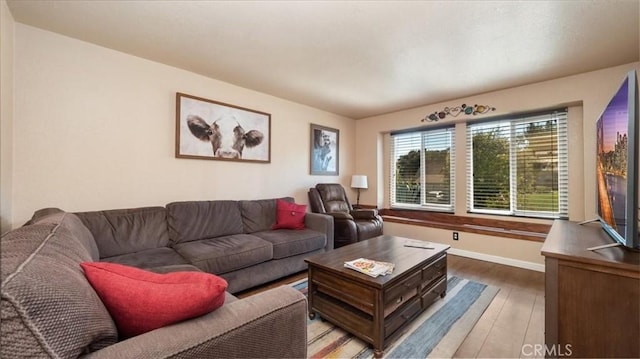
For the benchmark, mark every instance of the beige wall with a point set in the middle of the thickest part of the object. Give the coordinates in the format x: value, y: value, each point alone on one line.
x: 95, y: 129
x: 6, y: 116
x: 585, y: 95
x: 508, y: 251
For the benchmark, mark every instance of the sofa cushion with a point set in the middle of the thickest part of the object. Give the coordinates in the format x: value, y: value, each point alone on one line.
x: 289, y: 215
x: 227, y: 253
x: 122, y: 231
x: 49, y: 309
x: 174, y: 268
x: 195, y: 220
x: 287, y: 243
x: 149, y: 258
x: 229, y: 298
x: 259, y: 215
x: 73, y: 224
x: 140, y: 301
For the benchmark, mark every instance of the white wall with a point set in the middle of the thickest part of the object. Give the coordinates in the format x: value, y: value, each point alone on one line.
x: 7, y: 26
x: 95, y: 129
x: 586, y: 96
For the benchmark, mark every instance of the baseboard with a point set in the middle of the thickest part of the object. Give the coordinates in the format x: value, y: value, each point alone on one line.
x: 497, y: 259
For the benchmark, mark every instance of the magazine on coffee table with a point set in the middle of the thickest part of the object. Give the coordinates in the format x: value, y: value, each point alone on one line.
x: 370, y: 267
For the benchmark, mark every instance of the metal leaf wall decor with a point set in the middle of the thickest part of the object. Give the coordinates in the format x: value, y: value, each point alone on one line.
x: 455, y: 111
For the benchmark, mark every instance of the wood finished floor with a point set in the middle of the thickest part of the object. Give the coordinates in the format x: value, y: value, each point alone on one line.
x: 514, y: 319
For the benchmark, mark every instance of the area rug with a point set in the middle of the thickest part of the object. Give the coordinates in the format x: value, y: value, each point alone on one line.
x: 436, y: 333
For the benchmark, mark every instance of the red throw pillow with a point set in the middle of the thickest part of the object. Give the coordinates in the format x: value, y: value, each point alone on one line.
x: 289, y: 215
x: 140, y: 301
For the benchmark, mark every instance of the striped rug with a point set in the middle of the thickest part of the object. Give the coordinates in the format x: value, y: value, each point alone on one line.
x: 436, y: 333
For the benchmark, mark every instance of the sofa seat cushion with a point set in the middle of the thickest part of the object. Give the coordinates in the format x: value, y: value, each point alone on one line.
x: 174, y: 268
x: 290, y: 242
x: 49, y: 309
x: 227, y: 253
x: 150, y: 258
x: 140, y: 301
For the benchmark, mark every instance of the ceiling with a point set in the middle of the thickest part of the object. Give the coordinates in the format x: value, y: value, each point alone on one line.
x: 358, y: 58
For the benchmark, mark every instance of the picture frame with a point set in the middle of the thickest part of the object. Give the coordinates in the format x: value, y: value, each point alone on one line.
x: 213, y: 130
x: 324, y: 150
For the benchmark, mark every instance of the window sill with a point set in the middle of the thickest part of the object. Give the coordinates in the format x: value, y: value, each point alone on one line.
x: 536, y: 232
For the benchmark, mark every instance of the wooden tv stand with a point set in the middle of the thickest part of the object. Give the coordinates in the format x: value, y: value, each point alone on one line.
x: 592, y: 298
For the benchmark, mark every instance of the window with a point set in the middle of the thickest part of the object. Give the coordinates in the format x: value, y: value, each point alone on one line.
x: 422, y: 169
x: 519, y: 166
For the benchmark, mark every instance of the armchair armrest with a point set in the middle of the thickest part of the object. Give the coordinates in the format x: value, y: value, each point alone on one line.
x: 337, y: 216
x: 365, y: 213
x: 321, y: 223
x: 271, y: 324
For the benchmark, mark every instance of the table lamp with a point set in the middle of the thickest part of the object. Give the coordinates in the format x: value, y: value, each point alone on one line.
x: 359, y: 182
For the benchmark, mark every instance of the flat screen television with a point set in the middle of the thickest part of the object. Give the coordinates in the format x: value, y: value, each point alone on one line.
x: 617, y: 165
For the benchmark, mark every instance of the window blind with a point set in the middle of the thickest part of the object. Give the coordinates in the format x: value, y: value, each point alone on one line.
x: 423, y: 170
x: 519, y: 166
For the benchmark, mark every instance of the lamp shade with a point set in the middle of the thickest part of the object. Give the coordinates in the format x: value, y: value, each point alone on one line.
x: 359, y: 181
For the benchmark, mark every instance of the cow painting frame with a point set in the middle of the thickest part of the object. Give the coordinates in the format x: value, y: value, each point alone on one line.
x: 213, y: 130
x: 324, y: 151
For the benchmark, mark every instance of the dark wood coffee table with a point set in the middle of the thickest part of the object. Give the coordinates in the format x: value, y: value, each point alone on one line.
x: 376, y: 309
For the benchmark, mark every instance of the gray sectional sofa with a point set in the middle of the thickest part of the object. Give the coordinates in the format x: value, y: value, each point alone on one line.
x: 50, y: 310
x: 232, y: 239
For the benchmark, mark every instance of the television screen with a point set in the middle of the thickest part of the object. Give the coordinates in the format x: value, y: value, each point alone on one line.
x: 616, y: 176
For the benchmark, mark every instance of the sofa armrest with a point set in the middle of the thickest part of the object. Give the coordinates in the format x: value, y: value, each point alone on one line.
x: 321, y: 223
x: 271, y: 324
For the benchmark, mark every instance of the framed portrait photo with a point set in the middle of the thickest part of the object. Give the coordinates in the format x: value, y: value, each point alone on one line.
x: 212, y: 130
x: 325, y: 146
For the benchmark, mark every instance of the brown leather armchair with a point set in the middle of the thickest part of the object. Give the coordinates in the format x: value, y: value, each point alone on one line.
x: 350, y: 225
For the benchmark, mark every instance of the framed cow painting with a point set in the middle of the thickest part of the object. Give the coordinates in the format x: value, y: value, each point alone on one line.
x: 325, y: 142
x: 213, y: 130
